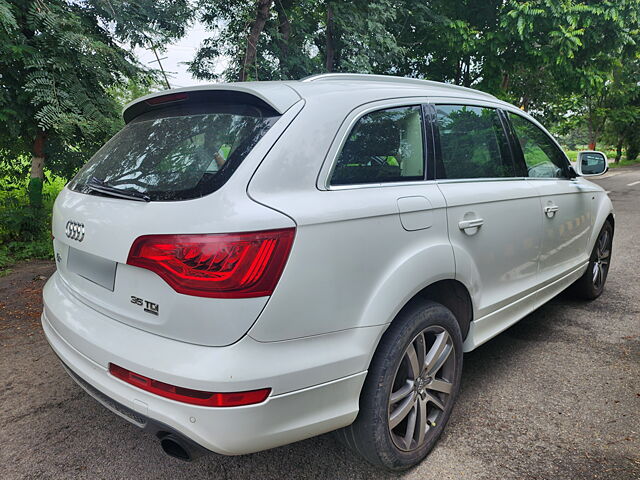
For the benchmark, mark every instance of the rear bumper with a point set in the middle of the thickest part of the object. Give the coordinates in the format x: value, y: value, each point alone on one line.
x: 145, y: 423
x: 315, y: 381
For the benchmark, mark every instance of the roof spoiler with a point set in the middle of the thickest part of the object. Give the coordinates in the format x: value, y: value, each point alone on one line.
x: 271, y: 95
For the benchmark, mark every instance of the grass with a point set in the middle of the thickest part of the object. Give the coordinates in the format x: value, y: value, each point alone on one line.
x: 609, y: 152
x: 625, y: 163
x: 573, y: 154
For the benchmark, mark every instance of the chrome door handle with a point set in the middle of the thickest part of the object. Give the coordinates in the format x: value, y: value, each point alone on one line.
x: 469, y: 224
x: 550, y: 210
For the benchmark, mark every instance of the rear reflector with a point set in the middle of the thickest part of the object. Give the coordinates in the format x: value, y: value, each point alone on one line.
x: 230, y: 265
x: 187, y: 395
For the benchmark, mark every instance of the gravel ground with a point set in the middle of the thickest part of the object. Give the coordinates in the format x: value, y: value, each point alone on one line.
x: 557, y: 396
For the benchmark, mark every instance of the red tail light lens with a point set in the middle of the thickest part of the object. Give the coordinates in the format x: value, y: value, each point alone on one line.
x: 174, y: 97
x: 233, y: 265
x: 187, y: 395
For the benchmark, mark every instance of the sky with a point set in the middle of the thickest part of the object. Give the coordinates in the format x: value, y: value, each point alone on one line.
x: 182, y: 51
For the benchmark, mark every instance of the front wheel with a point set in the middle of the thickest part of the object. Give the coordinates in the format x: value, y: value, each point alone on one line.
x: 412, y: 384
x: 591, y: 284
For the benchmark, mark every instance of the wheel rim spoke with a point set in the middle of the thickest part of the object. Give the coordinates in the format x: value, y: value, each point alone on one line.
x: 402, y: 411
x: 435, y: 400
x: 441, y: 386
x: 402, y: 392
x: 422, y: 421
x: 412, y: 421
x: 600, y: 278
x: 412, y: 355
x: 421, y: 351
x: 596, y: 270
x: 438, y: 354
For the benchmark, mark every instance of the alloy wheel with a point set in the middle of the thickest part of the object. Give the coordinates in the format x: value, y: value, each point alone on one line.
x: 422, y: 388
x: 601, y: 262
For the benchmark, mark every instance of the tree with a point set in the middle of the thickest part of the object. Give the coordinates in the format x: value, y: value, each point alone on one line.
x: 294, y: 39
x: 58, y: 61
x: 251, y: 49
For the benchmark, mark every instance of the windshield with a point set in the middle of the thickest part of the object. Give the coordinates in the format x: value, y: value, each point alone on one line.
x: 176, y: 153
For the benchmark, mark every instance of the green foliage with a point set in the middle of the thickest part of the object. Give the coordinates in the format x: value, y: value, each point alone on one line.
x: 573, y: 63
x: 294, y: 41
x: 25, y: 230
x: 66, y: 71
x: 59, y: 62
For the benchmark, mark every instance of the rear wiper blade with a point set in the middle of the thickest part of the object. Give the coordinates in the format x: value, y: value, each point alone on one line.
x: 99, y: 186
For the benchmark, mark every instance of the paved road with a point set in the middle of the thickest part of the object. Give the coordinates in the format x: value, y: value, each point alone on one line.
x: 557, y: 396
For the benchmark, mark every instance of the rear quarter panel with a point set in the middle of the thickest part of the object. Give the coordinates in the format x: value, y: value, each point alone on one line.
x: 353, y: 264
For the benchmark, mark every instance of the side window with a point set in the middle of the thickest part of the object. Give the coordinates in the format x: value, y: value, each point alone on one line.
x: 384, y: 146
x: 473, y: 143
x: 541, y: 156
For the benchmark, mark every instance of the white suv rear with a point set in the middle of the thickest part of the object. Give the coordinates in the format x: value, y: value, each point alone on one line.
x: 248, y: 265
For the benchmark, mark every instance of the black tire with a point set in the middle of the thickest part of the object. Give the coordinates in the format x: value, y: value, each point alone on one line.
x: 587, y: 287
x: 371, y: 434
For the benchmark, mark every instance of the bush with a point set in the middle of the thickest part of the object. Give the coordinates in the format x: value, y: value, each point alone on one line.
x: 20, y: 222
x: 633, y: 149
x: 24, y: 229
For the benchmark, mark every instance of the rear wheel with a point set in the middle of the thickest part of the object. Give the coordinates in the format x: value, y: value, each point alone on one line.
x: 412, y: 384
x: 591, y: 284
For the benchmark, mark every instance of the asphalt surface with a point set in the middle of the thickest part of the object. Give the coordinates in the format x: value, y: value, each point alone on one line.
x: 557, y: 396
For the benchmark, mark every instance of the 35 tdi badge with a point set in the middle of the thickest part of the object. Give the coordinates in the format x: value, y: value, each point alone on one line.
x: 148, y: 306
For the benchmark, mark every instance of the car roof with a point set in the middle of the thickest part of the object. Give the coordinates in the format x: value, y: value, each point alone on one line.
x: 282, y: 95
x: 429, y: 87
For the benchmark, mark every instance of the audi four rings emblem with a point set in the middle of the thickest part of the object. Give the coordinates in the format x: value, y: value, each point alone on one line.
x: 75, y: 230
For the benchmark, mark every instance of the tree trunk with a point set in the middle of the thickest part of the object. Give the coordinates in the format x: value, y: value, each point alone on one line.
x: 504, y: 85
x: 458, y: 75
x: 37, y: 170
x: 284, y: 28
x: 619, y: 149
x: 331, y: 45
x: 466, y: 79
x: 592, y: 133
x: 262, y: 14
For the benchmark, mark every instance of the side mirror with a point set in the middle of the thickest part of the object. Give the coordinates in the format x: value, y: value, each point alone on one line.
x: 591, y: 163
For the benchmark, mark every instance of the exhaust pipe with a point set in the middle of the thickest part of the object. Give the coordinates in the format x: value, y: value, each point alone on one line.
x: 178, y: 447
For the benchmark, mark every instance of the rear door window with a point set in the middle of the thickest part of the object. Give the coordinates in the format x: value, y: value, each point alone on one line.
x: 384, y: 146
x: 473, y: 143
x: 177, y: 153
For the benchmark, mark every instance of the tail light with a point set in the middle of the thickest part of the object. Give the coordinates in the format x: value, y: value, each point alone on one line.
x: 187, y: 395
x: 230, y: 265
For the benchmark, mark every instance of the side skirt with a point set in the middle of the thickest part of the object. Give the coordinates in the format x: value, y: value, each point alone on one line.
x: 487, y: 327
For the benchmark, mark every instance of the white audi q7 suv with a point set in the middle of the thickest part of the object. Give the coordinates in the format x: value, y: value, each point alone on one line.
x: 246, y: 265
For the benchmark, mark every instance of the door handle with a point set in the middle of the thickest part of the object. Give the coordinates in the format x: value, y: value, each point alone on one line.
x: 550, y: 210
x: 469, y: 224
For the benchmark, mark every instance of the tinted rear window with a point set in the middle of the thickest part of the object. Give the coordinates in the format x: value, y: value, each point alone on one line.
x: 473, y: 143
x: 177, y: 153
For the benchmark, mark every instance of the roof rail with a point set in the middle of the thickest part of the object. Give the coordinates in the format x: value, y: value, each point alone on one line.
x: 390, y: 79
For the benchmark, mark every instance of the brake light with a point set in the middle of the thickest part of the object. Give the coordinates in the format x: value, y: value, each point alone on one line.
x: 187, y: 395
x: 230, y: 265
x: 173, y: 97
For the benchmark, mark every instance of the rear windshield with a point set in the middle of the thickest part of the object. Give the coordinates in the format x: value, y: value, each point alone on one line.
x: 177, y: 153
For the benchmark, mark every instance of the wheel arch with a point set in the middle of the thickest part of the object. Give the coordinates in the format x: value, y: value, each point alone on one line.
x: 453, y: 295
x: 450, y: 293
x: 604, y: 213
